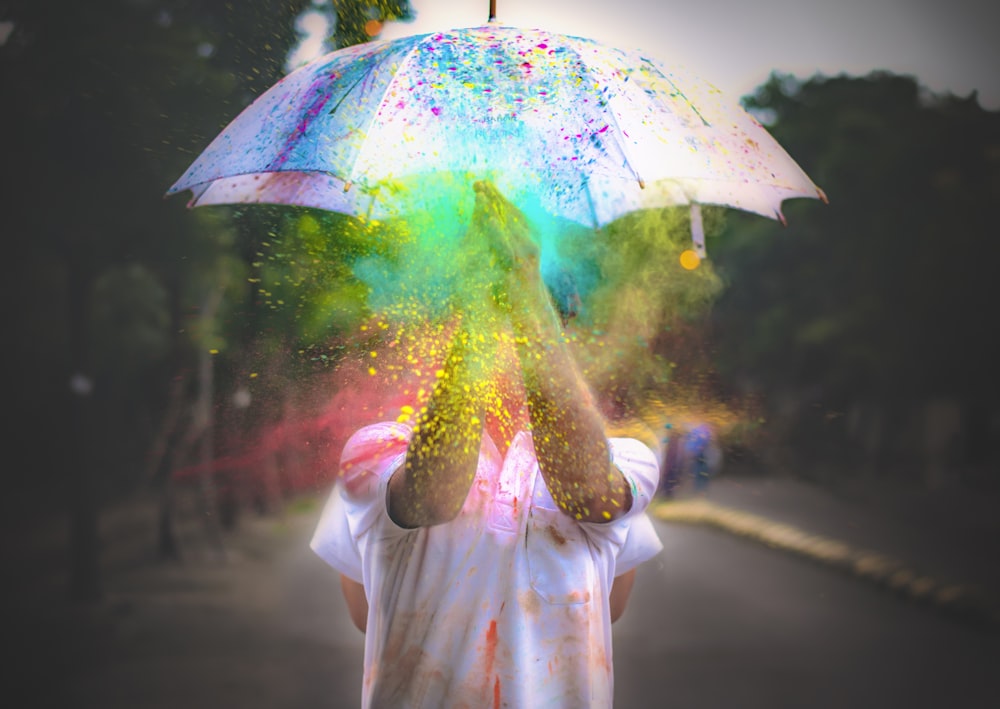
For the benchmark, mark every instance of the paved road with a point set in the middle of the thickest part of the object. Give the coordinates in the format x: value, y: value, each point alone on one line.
x: 715, y: 621
x: 719, y: 621
x: 267, y: 629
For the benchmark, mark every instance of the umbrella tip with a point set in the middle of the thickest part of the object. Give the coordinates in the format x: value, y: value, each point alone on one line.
x: 822, y: 196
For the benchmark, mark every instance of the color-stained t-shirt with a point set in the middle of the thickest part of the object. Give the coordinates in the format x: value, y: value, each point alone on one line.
x: 504, y: 606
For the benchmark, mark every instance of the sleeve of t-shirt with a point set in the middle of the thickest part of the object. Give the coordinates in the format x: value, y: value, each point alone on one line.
x: 356, y: 508
x: 632, y: 536
x: 332, y: 541
x: 638, y: 464
x: 640, y: 467
x: 641, y: 544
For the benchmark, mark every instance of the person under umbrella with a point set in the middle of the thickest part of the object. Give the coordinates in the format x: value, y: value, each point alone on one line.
x: 486, y: 549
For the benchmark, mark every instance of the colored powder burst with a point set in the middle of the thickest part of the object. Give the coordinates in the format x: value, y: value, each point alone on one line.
x: 376, y: 305
x: 434, y: 264
x: 642, y: 293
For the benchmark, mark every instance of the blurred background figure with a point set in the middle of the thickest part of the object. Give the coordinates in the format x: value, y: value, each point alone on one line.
x: 670, y: 461
x: 703, y: 457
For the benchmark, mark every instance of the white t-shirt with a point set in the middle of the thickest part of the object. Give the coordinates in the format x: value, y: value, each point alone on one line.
x: 506, y: 605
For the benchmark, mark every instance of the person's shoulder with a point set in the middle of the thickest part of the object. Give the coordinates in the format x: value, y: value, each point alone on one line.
x: 635, y: 459
x: 631, y: 447
x: 370, y: 451
x: 371, y: 439
x: 382, y: 429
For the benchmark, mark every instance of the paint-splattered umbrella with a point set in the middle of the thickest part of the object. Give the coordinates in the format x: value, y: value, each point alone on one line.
x: 589, y: 131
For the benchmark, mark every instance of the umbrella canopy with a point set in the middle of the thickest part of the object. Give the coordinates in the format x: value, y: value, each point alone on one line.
x: 589, y: 131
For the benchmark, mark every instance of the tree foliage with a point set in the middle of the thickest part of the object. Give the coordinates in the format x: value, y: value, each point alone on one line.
x: 105, y: 105
x: 883, y: 295
x: 359, y: 21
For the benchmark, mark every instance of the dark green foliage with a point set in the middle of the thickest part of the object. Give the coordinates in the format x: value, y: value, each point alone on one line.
x: 353, y: 17
x: 886, y: 294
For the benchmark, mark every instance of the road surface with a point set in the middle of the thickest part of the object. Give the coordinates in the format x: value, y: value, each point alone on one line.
x: 719, y: 621
x: 715, y: 621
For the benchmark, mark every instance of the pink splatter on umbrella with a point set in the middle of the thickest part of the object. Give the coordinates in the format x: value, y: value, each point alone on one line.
x: 588, y: 131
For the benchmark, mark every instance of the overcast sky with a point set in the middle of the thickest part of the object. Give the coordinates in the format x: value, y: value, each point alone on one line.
x: 735, y: 44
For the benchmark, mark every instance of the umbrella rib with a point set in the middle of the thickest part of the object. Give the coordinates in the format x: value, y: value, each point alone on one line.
x: 619, y: 133
x: 361, y: 78
x: 678, y: 91
x: 406, y: 59
x: 625, y: 151
x: 590, y: 203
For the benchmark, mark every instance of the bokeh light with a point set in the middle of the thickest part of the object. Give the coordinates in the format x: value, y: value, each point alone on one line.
x: 689, y: 259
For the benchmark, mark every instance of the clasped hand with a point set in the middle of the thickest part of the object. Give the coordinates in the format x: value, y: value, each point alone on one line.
x: 500, y: 262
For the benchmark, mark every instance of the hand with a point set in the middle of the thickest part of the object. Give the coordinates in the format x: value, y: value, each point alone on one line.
x: 506, y: 231
x: 516, y: 257
x: 567, y: 429
x: 480, y: 268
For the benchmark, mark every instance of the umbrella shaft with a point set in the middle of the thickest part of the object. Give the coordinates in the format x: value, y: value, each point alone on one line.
x: 493, y: 10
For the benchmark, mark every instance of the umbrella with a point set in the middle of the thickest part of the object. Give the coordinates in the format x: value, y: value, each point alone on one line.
x: 590, y: 131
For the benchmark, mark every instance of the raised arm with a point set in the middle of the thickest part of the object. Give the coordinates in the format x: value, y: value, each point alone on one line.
x: 567, y: 429
x: 443, y: 454
x: 431, y: 486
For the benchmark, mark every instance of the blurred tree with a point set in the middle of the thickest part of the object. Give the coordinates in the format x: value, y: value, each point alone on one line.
x: 300, y: 294
x: 104, y: 105
x: 877, y: 301
x: 362, y: 20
